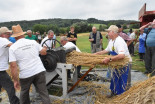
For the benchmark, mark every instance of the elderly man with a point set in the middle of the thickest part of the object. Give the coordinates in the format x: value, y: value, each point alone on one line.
x: 25, y: 54
x: 128, y: 41
x: 5, y: 80
x: 118, y: 49
x: 150, y: 47
x: 66, y: 44
x: 72, y: 36
x: 30, y: 36
x: 95, y: 38
x: 50, y: 43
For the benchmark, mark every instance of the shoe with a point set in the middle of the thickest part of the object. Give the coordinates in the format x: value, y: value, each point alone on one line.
x: 146, y: 72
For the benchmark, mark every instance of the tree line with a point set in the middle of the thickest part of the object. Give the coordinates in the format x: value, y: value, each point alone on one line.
x: 59, y: 25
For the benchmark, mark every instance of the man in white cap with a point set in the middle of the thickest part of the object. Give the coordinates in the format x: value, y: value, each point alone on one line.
x: 118, y: 49
x: 25, y: 54
x: 5, y: 80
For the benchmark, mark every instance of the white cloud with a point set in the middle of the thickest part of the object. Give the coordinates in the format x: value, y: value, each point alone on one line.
x: 14, y: 10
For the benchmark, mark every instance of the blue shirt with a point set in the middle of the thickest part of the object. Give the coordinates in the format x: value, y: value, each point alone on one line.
x: 12, y: 39
x: 150, y: 41
x: 142, y: 43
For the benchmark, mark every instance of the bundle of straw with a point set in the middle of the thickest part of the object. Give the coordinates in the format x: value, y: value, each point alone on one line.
x: 91, y: 60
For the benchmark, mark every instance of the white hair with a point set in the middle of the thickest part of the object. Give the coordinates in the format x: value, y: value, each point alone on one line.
x: 29, y: 31
x: 50, y: 31
x: 63, y: 38
x: 93, y: 27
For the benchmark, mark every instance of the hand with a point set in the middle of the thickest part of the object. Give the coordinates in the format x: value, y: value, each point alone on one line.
x: 16, y: 85
x: 95, y: 53
x: 91, y: 40
x: 106, y: 60
x: 70, y: 39
x: 149, y: 23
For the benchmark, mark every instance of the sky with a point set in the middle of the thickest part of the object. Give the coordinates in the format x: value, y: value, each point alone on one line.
x: 16, y: 10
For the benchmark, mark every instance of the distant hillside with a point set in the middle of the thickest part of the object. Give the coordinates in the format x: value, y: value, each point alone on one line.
x: 62, y: 22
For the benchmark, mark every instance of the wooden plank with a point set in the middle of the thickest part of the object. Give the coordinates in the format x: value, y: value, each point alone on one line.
x: 79, y: 80
x: 142, y: 11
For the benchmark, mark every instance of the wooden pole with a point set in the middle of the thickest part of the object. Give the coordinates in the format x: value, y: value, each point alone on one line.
x: 79, y: 80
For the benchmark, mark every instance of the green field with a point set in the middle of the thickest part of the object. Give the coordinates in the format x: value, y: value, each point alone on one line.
x: 84, y: 45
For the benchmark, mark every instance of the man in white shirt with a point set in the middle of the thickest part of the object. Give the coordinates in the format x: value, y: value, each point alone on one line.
x: 5, y: 80
x: 118, y: 49
x: 49, y: 43
x: 25, y: 54
x: 67, y: 45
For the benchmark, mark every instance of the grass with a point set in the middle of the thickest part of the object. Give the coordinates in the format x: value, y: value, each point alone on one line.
x: 84, y: 45
x: 136, y: 64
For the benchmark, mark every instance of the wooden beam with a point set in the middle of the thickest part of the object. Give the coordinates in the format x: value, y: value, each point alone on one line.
x: 79, y: 80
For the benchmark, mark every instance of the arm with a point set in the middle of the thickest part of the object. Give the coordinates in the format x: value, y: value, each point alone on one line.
x: 101, y: 52
x: 14, y: 73
x: 101, y: 41
x: 129, y: 42
x: 145, y: 26
x: 91, y: 39
x: 72, y: 39
x: 113, y: 58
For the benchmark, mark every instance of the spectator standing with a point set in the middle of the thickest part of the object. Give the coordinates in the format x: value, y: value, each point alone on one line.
x: 30, y: 36
x: 142, y: 38
x: 150, y: 47
x: 95, y: 38
x: 72, y: 36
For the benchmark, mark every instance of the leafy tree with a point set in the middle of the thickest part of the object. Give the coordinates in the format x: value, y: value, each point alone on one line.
x: 124, y: 26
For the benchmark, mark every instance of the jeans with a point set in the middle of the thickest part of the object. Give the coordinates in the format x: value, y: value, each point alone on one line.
x: 40, y: 84
x: 7, y: 84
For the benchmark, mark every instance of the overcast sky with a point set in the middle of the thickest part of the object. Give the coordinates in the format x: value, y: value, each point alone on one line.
x: 16, y: 10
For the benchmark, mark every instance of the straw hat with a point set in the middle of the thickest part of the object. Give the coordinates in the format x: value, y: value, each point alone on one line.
x: 4, y: 30
x: 17, y: 31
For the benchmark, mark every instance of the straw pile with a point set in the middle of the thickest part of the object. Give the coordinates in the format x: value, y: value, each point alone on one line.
x: 97, y: 91
x: 91, y: 60
x: 141, y: 93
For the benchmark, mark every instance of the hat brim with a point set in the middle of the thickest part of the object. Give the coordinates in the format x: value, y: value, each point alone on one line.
x: 18, y: 34
x: 9, y: 31
x: 107, y: 30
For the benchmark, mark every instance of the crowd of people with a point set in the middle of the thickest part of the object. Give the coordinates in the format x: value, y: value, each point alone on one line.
x: 23, y: 51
